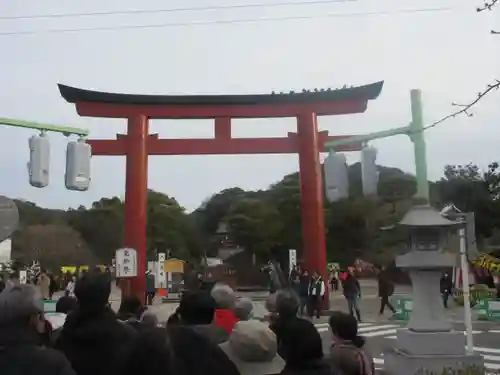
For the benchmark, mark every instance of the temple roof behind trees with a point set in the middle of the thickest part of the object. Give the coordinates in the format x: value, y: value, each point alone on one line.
x: 366, y: 92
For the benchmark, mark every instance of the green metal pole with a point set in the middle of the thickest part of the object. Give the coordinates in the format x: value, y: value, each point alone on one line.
x: 368, y: 137
x: 416, y: 133
x: 66, y: 130
x: 417, y: 137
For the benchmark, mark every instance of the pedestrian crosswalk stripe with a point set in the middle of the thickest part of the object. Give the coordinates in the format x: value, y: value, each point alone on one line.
x: 378, y: 330
x: 491, y: 361
x: 474, y: 332
x: 366, y: 329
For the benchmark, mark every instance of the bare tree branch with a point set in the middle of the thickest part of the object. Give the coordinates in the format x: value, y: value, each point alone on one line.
x: 488, y: 5
x: 464, y: 108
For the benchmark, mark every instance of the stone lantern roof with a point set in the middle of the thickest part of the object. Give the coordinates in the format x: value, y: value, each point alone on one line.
x: 426, y: 216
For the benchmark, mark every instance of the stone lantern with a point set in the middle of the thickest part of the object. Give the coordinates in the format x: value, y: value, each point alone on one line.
x: 428, y: 342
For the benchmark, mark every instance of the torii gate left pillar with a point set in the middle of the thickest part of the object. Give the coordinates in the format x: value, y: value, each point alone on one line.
x: 308, y: 142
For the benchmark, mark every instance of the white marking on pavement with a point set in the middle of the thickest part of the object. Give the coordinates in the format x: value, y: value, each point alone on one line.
x: 464, y: 332
x: 362, y: 330
x: 366, y: 329
x: 494, y: 331
x: 486, y: 350
x: 380, y: 333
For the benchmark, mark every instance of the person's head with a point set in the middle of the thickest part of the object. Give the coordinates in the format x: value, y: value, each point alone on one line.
x: 21, y: 307
x: 305, y: 273
x: 253, y: 348
x: 197, y: 308
x: 224, y: 297
x: 446, y: 275
x: 344, y: 327
x: 149, y: 320
x: 350, y: 271
x: 149, y: 353
x: 66, y: 304
x: 287, y: 303
x: 196, y: 354
x: 73, y: 278
x: 302, y: 344
x: 92, y: 291
x: 131, y: 306
x: 316, y: 274
x: 243, y: 308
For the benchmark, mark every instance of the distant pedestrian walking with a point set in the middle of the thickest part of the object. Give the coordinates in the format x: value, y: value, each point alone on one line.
x: 352, y: 293
x: 316, y: 294
x: 385, y: 290
x: 446, y: 285
x: 44, y: 284
x: 150, y: 288
x: 305, y: 279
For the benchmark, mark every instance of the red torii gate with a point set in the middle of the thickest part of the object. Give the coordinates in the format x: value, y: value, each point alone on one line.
x: 137, y: 144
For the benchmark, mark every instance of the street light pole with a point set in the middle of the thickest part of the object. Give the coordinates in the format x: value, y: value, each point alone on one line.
x: 464, y: 264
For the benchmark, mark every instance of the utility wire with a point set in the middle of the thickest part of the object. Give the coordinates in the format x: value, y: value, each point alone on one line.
x: 222, y: 22
x: 174, y: 10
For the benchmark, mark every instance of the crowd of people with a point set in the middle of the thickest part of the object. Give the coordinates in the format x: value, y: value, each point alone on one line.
x: 211, y: 332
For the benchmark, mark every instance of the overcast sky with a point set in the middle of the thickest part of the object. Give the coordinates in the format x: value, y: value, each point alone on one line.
x: 444, y: 48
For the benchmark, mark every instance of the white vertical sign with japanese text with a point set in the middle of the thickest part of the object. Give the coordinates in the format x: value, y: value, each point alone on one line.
x: 292, y: 258
x: 126, y: 262
x: 23, y: 277
x: 160, y: 279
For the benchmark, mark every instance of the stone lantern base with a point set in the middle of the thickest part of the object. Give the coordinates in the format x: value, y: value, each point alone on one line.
x: 423, y: 352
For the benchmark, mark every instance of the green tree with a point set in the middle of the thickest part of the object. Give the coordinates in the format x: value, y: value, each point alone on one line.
x: 472, y: 190
x: 255, y: 225
x: 101, y: 226
x: 169, y: 228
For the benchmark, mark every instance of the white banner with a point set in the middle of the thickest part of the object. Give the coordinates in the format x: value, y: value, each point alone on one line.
x: 292, y: 258
x: 126, y: 262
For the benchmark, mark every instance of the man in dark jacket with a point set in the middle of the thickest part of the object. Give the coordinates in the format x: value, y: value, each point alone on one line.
x: 316, y: 292
x: 303, y: 293
x: 92, y: 338
x: 385, y: 290
x: 150, y: 288
x: 21, y: 326
x: 352, y: 293
x: 446, y: 286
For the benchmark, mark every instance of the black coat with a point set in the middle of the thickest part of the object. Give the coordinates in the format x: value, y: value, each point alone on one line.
x: 304, y: 286
x: 94, y: 341
x: 445, y: 285
x: 385, y: 285
x: 22, y: 354
x: 351, y: 286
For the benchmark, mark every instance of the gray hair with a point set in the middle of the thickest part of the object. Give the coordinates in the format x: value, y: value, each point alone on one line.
x: 224, y: 296
x: 18, y: 303
x: 149, y: 319
x: 243, y: 308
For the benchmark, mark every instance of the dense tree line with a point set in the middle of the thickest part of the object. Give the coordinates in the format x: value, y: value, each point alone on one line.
x: 265, y: 223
